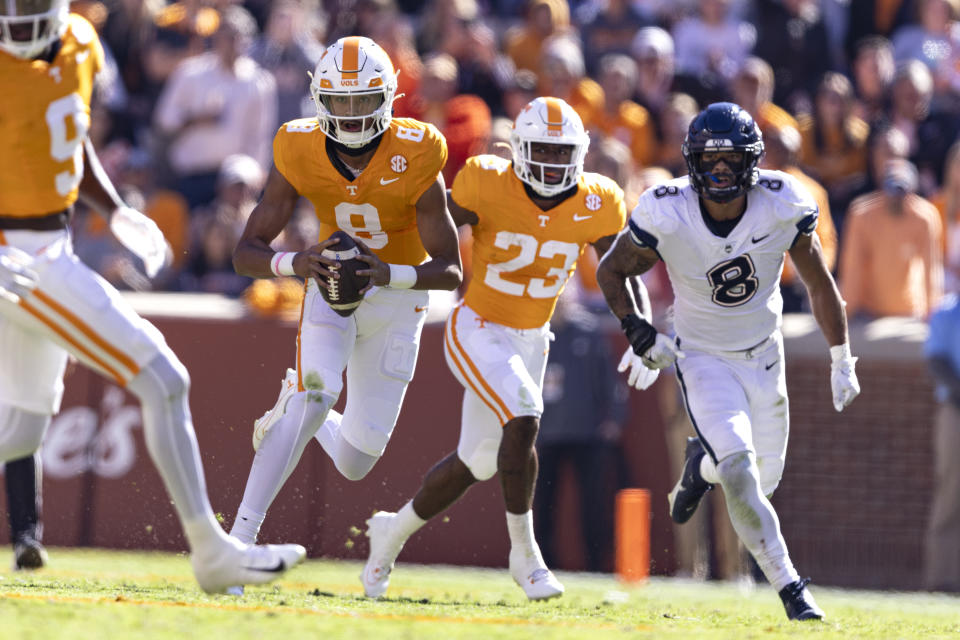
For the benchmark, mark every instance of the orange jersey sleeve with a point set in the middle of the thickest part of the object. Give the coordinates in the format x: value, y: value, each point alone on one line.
x: 379, y: 205
x: 522, y: 255
x: 44, y: 119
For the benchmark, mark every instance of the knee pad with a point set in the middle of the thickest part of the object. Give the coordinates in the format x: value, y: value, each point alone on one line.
x: 737, y: 473
x: 165, y: 376
x: 21, y: 432
x: 482, y: 460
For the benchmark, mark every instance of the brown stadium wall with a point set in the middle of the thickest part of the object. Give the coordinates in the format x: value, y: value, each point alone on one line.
x: 853, y: 501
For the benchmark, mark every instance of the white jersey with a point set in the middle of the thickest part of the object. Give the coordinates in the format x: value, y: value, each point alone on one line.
x: 726, y: 290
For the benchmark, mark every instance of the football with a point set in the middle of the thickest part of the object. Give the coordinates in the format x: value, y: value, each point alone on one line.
x: 344, y: 296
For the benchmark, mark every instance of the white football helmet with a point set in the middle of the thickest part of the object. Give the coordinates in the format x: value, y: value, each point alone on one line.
x: 551, y: 121
x: 27, y: 27
x: 353, y: 87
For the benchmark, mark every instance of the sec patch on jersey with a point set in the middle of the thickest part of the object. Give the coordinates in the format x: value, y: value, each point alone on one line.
x: 343, y: 293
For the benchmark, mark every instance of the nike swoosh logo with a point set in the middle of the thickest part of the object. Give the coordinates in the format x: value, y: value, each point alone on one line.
x: 280, y: 567
x: 579, y: 218
x: 771, y: 365
x: 756, y: 240
x: 385, y: 181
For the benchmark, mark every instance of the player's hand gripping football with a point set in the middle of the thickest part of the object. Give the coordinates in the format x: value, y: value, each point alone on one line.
x: 843, y: 377
x: 17, y: 278
x: 142, y: 237
x: 377, y: 269
x: 311, y: 263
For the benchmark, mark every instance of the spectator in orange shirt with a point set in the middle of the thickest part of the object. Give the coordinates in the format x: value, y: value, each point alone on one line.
x: 621, y: 117
x: 752, y: 88
x: 834, y: 138
x: 782, y: 149
x: 564, y: 77
x: 464, y: 120
x: 524, y: 44
x: 890, y: 262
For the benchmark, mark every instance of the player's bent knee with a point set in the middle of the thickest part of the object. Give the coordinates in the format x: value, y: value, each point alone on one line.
x: 736, y: 472
x: 482, y: 463
x: 165, y: 376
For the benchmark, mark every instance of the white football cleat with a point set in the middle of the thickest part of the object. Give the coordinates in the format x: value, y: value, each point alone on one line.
x: 383, y: 553
x: 267, y: 420
x: 235, y: 563
x: 536, y: 580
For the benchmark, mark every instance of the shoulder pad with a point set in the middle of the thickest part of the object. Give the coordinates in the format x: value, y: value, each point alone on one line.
x: 788, y: 199
x: 660, y: 205
x: 488, y: 162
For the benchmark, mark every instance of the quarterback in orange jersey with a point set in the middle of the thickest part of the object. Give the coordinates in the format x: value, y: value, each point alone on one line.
x: 532, y: 219
x: 52, y: 305
x: 378, y: 179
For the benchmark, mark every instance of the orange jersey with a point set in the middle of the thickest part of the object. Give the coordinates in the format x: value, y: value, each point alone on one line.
x: 522, y: 255
x: 44, y: 118
x: 379, y: 205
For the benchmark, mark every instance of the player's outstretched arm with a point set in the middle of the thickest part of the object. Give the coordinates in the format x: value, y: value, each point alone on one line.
x: 132, y: 229
x: 439, y: 236
x: 827, y: 307
x: 825, y: 301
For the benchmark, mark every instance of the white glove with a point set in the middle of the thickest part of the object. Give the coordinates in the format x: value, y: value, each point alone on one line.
x: 17, y: 279
x: 142, y: 236
x: 663, y: 353
x: 640, y: 376
x: 843, y: 379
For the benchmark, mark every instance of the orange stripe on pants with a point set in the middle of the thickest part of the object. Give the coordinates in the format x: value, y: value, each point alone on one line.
x: 86, y: 330
x: 462, y: 352
x: 466, y: 378
x: 70, y: 340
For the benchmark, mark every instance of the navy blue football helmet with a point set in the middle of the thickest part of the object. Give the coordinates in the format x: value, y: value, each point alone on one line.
x: 723, y: 126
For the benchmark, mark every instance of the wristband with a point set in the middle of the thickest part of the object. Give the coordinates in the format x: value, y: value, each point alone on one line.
x: 840, y: 352
x: 282, y: 263
x: 641, y: 334
x: 402, y: 276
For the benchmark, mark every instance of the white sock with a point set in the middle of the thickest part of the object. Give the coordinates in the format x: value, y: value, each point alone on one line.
x: 247, y: 525
x: 522, y: 540
x: 204, y: 533
x: 708, y: 470
x: 407, y: 522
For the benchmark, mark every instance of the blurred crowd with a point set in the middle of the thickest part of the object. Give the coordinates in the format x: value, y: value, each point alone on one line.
x: 858, y: 98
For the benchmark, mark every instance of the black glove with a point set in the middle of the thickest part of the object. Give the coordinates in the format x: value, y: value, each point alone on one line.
x: 640, y: 333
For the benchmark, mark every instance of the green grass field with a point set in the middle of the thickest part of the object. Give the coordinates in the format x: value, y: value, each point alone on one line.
x: 107, y: 594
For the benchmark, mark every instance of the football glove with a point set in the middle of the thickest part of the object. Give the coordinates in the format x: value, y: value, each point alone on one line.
x: 142, y: 237
x: 640, y: 376
x: 663, y: 353
x: 843, y: 378
x: 17, y: 279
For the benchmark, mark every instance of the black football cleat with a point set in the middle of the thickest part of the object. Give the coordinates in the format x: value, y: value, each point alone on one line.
x: 686, y: 495
x: 28, y: 553
x: 799, y: 603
